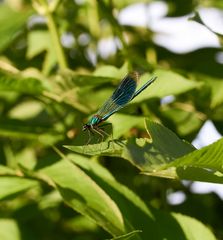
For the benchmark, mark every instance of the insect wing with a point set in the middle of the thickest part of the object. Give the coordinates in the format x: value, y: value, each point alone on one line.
x: 120, y: 97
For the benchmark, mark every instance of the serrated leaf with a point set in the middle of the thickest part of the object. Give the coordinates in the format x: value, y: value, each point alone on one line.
x: 11, y: 186
x: 208, y: 158
x: 199, y: 174
x: 85, y: 196
x: 150, y: 154
x: 164, y: 155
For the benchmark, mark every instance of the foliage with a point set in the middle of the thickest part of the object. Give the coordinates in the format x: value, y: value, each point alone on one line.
x: 53, y: 77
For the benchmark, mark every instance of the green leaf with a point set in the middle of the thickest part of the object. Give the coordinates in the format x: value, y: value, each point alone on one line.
x: 121, y: 123
x: 192, y: 228
x: 77, y: 90
x: 9, y: 229
x: 6, y: 170
x: 110, y: 148
x: 216, y: 86
x: 11, y: 23
x: 164, y: 155
x: 52, y: 199
x: 104, y: 74
x: 20, y: 84
x: 82, y: 194
x: 208, y: 160
x: 185, y: 118
x: 38, y: 42
x: 134, y: 211
x: 111, y: 71
x: 81, y: 224
x: 167, y: 83
x: 141, y: 221
x: 11, y: 186
x: 150, y: 154
x: 67, y: 79
x: 26, y: 110
x: 213, y: 87
x: 27, y: 130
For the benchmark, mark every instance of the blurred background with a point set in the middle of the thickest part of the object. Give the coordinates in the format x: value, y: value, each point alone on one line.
x: 58, y: 41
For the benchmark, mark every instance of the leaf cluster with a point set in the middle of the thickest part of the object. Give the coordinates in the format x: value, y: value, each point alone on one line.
x: 54, y: 74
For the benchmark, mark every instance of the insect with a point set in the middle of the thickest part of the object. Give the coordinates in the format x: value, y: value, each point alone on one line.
x: 124, y: 93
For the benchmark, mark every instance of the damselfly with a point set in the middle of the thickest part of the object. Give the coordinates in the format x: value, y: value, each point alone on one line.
x: 124, y: 93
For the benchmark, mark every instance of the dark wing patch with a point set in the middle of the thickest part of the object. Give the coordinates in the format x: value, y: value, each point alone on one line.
x: 120, y: 97
x: 125, y: 90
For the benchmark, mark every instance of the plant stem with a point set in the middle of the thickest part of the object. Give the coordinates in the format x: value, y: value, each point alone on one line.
x: 54, y: 35
x: 56, y: 41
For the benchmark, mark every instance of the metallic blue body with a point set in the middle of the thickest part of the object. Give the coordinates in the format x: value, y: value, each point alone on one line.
x: 95, y: 120
x: 123, y: 94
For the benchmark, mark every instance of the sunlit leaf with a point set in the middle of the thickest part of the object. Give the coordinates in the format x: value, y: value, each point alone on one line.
x: 40, y: 41
x: 6, y: 170
x: 208, y: 158
x: 145, y: 220
x: 9, y: 229
x: 148, y: 154
x: 11, y: 186
x: 164, y: 155
x: 85, y: 196
x: 167, y: 83
x: 67, y: 78
x: 111, y: 71
x: 20, y: 84
x: 192, y: 228
x: 11, y: 23
x: 121, y: 123
x: 216, y: 90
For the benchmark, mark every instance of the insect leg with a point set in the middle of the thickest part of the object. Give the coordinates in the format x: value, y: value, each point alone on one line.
x: 99, y: 131
x: 90, y: 133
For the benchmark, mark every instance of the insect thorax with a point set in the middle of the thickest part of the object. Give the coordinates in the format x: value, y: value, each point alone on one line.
x: 95, y: 120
